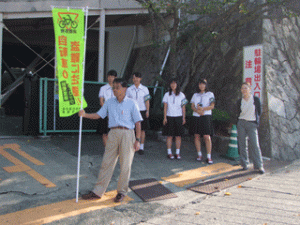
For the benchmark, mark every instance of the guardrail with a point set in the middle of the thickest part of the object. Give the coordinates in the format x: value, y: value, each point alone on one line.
x: 51, y: 122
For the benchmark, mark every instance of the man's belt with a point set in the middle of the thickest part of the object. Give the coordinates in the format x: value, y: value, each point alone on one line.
x: 120, y: 127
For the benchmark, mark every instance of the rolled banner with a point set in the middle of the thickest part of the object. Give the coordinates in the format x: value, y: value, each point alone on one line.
x: 147, y: 97
x: 184, y: 102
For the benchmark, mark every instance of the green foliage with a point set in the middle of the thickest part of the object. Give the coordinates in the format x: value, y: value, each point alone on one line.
x: 220, y: 115
x: 275, y: 1
x: 291, y: 14
x: 188, y: 110
x: 162, y: 82
x: 243, y: 9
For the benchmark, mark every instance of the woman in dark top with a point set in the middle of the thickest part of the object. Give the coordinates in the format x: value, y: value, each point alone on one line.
x: 249, y: 111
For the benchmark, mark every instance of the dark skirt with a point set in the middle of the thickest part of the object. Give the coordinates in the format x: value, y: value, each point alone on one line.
x: 173, y: 127
x: 145, y: 122
x: 102, y: 127
x: 202, y: 125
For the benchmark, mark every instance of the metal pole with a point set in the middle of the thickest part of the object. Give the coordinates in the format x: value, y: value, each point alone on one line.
x: 54, y: 94
x: 1, y: 43
x: 162, y: 69
x: 82, y: 93
x: 101, y: 46
x: 45, y: 105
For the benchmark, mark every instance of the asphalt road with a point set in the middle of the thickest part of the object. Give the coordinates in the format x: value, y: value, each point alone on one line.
x: 39, y: 176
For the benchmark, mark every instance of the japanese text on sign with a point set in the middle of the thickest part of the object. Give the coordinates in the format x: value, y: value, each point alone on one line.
x: 253, y: 68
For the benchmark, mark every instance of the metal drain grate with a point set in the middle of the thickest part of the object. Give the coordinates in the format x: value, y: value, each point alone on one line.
x: 219, y: 184
x: 151, y: 190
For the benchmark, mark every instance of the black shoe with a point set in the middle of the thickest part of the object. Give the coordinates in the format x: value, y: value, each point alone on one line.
x: 119, y: 198
x: 141, y: 152
x: 261, y: 171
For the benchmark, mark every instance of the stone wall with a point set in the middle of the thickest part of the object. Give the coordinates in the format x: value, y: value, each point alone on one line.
x: 282, y: 73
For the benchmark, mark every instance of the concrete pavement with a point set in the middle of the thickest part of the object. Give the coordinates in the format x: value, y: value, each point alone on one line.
x: 272, y: 198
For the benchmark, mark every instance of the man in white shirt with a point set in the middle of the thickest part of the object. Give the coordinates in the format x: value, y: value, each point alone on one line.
x: 105, y: 93
x: 140, y: 94
x: 124, y: 117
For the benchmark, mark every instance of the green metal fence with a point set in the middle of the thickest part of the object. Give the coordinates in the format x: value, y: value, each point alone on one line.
x: 51, y: 122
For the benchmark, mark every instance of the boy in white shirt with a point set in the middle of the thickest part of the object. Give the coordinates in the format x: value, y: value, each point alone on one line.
x: 105, y: 93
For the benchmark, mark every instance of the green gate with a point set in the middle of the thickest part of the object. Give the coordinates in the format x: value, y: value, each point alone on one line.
x: 49, y: 120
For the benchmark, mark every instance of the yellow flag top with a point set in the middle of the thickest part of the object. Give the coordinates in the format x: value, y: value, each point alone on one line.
x: 70, y: 45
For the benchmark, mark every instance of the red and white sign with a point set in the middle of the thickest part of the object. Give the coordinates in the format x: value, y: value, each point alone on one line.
x: 253, y: 68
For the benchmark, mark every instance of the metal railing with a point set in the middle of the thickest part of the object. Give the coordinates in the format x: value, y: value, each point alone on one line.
x: 51, y: 122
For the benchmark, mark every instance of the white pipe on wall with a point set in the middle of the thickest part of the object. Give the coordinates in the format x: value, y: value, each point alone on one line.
x: 101, y: 46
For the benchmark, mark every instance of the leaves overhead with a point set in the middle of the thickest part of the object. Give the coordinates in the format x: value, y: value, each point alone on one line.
x: 204, y: 24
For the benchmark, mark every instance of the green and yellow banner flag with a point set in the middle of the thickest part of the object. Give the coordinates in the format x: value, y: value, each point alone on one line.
x: 70, y: 46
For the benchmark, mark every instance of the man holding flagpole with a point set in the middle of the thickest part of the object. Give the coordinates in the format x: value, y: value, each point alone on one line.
x: 70, y: 31
x: 124, y: 117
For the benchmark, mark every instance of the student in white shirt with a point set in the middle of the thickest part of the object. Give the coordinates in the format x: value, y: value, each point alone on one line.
x: 202, y: 104
x: 141, y: 95
x: 105, y: 93
x: 174, y: 117
x: 248, y: 114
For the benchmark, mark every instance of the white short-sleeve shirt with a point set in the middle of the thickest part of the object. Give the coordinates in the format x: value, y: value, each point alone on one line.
x: 106, y: 92
x: 174, y: 104
x: 125, y: 113
x: 138, y: 94
x: 248, y: 109
x: 204, y: 99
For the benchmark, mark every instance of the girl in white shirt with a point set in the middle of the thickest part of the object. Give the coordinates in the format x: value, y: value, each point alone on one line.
x: 174, y: 117
x: 202, y: 104
x: 141, y: 95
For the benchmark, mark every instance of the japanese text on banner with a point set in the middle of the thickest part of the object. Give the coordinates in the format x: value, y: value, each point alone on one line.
x: 69, y: 43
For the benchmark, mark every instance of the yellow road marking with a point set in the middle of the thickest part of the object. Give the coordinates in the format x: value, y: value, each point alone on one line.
x: 57, y: 211
x: 40, y: 179
x: 21, y: 167
x: 191, y: 176
x: 17, y: 149
x: 15, y: 169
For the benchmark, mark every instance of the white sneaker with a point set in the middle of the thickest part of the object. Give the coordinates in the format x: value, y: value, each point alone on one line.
x: 209, y: 161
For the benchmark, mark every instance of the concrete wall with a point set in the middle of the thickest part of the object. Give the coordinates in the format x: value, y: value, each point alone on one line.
x: 145, y: 36
x: 45, y: 5
x: 42, y: 8
x: 119, y: 46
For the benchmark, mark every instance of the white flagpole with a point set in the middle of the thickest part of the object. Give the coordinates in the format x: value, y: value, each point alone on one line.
x: 82, y: 92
